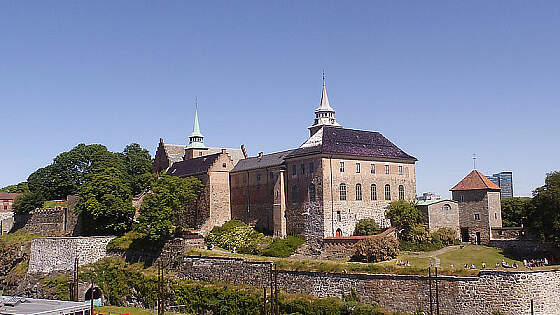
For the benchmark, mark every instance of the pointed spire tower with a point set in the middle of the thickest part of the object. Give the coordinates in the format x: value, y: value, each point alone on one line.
x: 324, y: 114
x: 196, y: 139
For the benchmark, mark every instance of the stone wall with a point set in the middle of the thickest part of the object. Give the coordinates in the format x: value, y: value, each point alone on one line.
x: 441, y: 214
x: 491, y: 291
x: 50, y: 222
x: 6, y: 222
x: 58, y: 253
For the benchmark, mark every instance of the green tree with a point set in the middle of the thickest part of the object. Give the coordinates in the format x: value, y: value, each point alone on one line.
x: 367, y: 226
x: 375, y: 249
x: 544, y: 213
x: 70, y: 169
x: 138, y: 166
x: 27, y: 202
x: 404, y: 215
x: 236, y: 234
x: 21, y: 188
x: 162, y: 208
x: 105, y: 203
x: 514, y: 211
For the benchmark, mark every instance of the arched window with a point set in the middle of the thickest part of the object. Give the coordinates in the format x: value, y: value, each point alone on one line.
x: 446, y: 207
x: 312, y: 192
x: 387, y: 192
x: 342, y: 191
x: 358, y: 191
x: 373, y: 192
x: 295, y: 198
x: 338, y: 233
x: 401, y: 192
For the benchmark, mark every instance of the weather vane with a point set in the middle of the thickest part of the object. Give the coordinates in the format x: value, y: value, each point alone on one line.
x: 474, y: 160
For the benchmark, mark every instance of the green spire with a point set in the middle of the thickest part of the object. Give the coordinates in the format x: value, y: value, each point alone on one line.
x: 196, y: 139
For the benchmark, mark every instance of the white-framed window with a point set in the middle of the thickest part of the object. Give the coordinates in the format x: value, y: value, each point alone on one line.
x: 358, y: 167
x: 342, y: 191
x: 358, y: 191
x: 373, y: 192
x: 342, y: 167
x: 387, y: 192
x: 386, y: 169
x: 372, y: 168
x: 477, y: 216
x: 401, y: 192
x: 400, y: 169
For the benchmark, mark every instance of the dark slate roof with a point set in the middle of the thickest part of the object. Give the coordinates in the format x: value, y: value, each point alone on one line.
x: 354, y: 142
x: 199, y: 165
x: 267, y: 160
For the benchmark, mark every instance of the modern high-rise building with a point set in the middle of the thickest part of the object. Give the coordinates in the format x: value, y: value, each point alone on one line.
x: 505, y: 181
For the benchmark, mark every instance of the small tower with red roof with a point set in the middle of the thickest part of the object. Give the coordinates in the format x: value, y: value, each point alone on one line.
x: 479, y: 207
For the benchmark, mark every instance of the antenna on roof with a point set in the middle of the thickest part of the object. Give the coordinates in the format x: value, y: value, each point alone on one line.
x: 474, y: 160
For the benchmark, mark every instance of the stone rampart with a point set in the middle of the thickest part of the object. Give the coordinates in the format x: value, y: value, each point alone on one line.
x: 48, y: 222
x: 6, y: 222
x: 59, y: 253
x: 491, y: 291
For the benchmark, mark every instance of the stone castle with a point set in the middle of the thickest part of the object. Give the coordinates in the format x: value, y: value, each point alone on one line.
x: 319, y: 189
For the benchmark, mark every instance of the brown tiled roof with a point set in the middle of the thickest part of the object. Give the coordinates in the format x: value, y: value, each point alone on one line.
x: 199, y: 165
x: 475, y: 181
x: 8, y: 196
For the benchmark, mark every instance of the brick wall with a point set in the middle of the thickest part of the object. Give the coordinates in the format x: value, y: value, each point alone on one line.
x: 58, y: 253
x: 491, y: 291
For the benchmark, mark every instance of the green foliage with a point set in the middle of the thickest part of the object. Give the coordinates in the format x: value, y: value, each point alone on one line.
x: 21, y: 188
x: 283, y: 247
x: 544, y: 213
x: 60, y: 285
x: 447, y: 236
x: 421, y: 240
x: 105, y: 203
x: 375, y: 249
x: 162, y: 209
x: 29, y: 201
x: 138, y: 166
x: 404, y: 215
x: 238, y: 235
x: 367, y: 226
x: 514, y: 211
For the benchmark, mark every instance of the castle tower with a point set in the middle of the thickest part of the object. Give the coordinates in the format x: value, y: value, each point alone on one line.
x: 324, y: 114
x: 196, y: 145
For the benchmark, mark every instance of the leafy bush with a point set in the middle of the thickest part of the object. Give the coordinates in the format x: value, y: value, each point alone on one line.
x: 238, y: 235
x: 421, y: 240
x: 367, y: 226
x: 283, y: 247
x: 447, y: 236
x: 376, y: 249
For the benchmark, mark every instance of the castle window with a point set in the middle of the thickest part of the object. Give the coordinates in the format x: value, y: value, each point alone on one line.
x: 294, y: 195
x: 200, y: 153
x: 372, y: 168
x: 342, y: 191
x: 386, y: 169
x: 294, y: 170
x: 358, y: 192
x: 312, y: 192
x: 446, y: 207
x: 271, y: 175
x: 401, y: 192
x: 462, y: 198
x: 387, y: 192
x: 400, y: 169
x: 342, y: 167
x: 311, y: 167
x: 258, y: 177
x: 477, y: 216
x: 338, y: 216
x: 373, y: 192
x: 496, y: 215
x: 358, y: 168
x: 224, y: 165
x: 302, y: 168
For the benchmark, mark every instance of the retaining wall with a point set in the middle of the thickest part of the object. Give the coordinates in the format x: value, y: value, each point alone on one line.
x: 59, y: 253
x: 491, y: 291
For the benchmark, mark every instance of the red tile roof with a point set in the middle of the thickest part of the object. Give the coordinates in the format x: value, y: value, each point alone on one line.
x: 8, y: 196
x: 475, y: 181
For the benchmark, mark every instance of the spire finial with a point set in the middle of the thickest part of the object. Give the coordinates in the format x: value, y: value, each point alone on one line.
x: 323, y: 77
x: 474, y: 160
x: 196, y: 103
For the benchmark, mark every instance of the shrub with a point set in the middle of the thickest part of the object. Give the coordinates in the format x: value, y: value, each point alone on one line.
x: 236, y: 234
x: 447, y: 236
x: 367, y: 227
x: 283, y: 247
x: 376, y: 249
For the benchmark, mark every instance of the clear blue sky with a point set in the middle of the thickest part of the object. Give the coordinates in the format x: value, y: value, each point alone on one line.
x: 441, y: 79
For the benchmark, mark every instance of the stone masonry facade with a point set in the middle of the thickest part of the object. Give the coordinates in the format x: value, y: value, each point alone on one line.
x: 491, y: 291
x: 58, y: 253
x: 479, y: 211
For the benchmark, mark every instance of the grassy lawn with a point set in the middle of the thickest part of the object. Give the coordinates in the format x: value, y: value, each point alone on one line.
x: 474, y: 254
x: 117, y: 310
